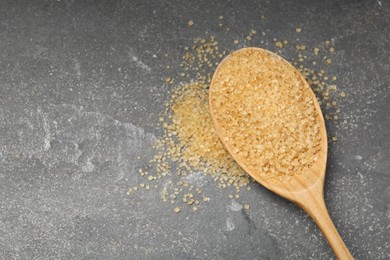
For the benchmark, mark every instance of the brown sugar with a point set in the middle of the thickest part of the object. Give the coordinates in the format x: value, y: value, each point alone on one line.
x: 180, y: 165
x: 265, y: 113
x: 198, y: 146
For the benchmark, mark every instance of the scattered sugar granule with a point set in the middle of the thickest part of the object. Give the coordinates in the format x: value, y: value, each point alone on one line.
x: 279, y: 44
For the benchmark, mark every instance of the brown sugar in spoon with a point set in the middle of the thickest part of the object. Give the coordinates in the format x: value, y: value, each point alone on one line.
x: 246, y: 90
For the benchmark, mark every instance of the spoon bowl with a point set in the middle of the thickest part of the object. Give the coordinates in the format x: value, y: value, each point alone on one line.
x: 305, y: 190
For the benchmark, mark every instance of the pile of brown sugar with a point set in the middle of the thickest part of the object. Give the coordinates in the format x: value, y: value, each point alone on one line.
x: 193, y: 142
x: 266, y: 114
x: 189, y: 152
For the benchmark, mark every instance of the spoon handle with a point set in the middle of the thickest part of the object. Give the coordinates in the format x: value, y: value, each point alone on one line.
x: 316, y: 208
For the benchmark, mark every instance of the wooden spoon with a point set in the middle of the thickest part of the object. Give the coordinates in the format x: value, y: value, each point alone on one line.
x: 305, y: 190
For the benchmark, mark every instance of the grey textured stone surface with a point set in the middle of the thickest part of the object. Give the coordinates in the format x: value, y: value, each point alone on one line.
x: 81, y: 88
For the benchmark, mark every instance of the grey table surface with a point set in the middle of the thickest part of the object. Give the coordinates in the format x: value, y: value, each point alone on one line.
x: 81, y: 90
